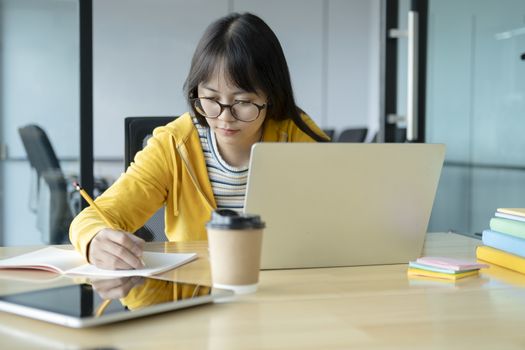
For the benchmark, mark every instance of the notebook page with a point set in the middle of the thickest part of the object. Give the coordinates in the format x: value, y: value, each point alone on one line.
x: 49, y: 259
x: 155, y: 263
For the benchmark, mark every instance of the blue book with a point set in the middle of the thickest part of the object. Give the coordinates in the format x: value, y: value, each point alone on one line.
x: 507, y: 243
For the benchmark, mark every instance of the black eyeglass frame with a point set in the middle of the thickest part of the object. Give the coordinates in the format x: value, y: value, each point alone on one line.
x: 223, y: 106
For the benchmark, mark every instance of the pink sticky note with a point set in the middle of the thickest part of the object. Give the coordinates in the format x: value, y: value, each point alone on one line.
x: 450, y: 263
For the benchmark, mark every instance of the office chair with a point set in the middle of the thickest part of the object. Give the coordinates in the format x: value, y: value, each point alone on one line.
x: 352, y: 135
x: 54, y: 213
x: 137, y: 130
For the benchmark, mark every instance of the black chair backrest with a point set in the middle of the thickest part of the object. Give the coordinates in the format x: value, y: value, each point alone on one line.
x: 137, y: 129
x: 43, y: 159
x: 39, y: 151
x: 352, y: 135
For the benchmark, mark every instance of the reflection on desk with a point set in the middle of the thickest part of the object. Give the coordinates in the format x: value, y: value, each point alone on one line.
x: 330, y: 308
x: 91, y: 304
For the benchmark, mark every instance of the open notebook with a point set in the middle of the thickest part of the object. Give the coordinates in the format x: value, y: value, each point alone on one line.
x: 70, y: 262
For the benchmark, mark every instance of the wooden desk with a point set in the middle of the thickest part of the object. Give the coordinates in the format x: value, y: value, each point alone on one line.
x: 375, y: 307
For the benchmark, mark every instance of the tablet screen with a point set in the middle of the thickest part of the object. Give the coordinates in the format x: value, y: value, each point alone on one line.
x: 108, y: 300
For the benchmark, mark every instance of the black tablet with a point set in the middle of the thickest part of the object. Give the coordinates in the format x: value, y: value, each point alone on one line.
x: 109, y: 300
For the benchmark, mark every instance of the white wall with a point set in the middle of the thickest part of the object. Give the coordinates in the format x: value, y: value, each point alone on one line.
x: 353, y: 64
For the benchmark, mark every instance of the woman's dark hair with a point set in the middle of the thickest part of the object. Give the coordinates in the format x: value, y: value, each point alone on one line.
x: 254, y: 60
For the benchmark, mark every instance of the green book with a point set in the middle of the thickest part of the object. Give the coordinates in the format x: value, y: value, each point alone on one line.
x: 510, y: 227
x: 449, y: 276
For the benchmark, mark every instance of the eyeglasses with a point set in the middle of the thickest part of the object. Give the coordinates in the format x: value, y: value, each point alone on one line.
x: 240, y: 110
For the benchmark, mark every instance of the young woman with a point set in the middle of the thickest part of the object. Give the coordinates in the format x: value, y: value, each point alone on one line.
x: 240, y: 93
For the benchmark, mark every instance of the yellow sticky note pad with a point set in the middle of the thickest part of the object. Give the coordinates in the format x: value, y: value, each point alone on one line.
x: 449, y: 276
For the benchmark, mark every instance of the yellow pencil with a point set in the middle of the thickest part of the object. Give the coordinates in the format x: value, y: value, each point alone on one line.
x: 103, y: 306
x: 92, y: 204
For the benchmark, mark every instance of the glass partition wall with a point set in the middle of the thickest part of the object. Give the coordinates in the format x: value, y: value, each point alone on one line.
x: 475, y: 104
x: 39, y: 119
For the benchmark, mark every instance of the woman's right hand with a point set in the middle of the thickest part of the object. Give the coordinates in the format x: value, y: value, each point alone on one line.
x: 116, y: 250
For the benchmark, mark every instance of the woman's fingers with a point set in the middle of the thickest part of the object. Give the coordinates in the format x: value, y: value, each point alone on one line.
x: 116, y: 250
x: 122, y: 251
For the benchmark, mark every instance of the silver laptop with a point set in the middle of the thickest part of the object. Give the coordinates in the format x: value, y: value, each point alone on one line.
x: 82, y: 305
x: 342, y: 204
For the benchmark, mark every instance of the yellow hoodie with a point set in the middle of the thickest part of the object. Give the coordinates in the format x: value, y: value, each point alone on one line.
x: 169, y: 171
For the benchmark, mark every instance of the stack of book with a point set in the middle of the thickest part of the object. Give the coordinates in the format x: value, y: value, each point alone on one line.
x: 444, y: 268
x: 504, y: 243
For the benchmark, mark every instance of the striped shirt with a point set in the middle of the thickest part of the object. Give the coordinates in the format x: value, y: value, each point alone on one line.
x: 227, y: 182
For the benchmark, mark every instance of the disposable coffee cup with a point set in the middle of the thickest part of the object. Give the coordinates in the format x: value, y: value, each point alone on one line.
x: 235, y: 242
